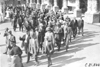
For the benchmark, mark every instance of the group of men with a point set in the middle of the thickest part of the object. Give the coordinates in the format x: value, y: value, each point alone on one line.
x: 12, y: 49
x: 44, y: 30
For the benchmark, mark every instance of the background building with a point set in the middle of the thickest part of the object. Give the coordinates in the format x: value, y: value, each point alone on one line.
x: 91, y: 8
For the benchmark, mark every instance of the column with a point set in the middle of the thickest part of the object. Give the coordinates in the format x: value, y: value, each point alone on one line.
x: 65, y: 8
x: 34, y: 4
x: 55, y: 7
x: 27, y: 2
x: 55, y: 2
x: 42, y: 1
x: 48, y: 2
x: 38, y: 5
x: 99, y: 6
x: 92, y: 15
x: 77, y: 5
x: 89, y: 6
x: 94, y: 6
x: 0, y: 8
x: 1, y: 14
x: 30, y: 3
x: 49, y: 5
x: 77, y: 11
x: 43, y: 5
x: 38, y: 2
x: 65, y: 3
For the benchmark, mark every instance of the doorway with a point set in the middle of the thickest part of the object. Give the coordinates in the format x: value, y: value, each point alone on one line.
x: 60, y: 3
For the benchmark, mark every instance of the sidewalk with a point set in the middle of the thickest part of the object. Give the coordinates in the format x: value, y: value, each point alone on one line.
x: 98, y: 24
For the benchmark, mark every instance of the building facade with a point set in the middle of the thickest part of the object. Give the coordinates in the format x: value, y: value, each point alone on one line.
x: 92, y: 14
x: 93, y: 6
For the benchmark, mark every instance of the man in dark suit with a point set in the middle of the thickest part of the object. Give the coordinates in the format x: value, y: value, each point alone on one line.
x: 80, y: 25
x: 73, y: 25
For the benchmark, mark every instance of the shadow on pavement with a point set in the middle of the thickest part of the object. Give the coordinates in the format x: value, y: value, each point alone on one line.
x: 76, y: 45
x: 5, y: 29
x: 63, y: 62
x: 31, y: 63
x: 87, y: 35
x: 79, y: 47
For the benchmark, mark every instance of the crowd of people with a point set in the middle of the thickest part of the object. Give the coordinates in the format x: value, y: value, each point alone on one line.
x: 45, y: 30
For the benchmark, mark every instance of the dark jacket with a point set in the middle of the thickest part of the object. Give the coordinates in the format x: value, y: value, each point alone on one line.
x: 73, y: 24
x: 16, y: 51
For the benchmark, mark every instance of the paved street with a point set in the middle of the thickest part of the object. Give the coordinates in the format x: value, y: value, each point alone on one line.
x: 82, y: 50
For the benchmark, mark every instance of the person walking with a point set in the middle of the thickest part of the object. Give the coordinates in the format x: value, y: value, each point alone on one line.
x: 49, y: 44
x: 15, y: 53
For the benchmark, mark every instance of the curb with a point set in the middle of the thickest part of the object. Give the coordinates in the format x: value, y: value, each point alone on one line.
x: 96, y: 24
